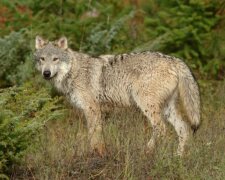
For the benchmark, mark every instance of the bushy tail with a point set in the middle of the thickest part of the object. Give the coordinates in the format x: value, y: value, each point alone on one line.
x: 189, y: 95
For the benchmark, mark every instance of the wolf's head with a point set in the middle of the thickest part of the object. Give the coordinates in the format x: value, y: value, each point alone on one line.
x: 52, y: 58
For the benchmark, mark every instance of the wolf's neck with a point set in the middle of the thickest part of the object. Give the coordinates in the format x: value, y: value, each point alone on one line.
x: 60, y: 80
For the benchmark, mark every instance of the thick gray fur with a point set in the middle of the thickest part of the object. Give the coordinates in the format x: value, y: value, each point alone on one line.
x: 150, y: 81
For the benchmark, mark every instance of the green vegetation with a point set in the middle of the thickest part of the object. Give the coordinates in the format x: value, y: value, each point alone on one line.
x: 33, y: 145
x: 24, y: 111
x: 190, y: 31
x: 15, y: 59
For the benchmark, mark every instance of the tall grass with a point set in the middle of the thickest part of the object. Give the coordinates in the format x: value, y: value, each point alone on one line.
x: 62, y: 150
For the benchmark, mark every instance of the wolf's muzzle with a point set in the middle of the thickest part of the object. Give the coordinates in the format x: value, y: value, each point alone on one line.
x: 47, y: 74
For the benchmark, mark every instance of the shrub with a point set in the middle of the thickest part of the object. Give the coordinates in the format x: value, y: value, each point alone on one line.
x: 14, y: 15
x: 93, y: 27
x: 15, y: 58
x: 186, y: 29
x: 103, y: 38
x: 23, y: 112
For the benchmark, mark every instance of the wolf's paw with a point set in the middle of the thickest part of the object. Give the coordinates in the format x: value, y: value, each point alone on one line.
x: 181, y: 152
x: 150, y: 147
x: 149, y: 151
x: 99, y: 149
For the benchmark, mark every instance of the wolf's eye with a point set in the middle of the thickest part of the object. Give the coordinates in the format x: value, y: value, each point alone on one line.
x: 42, y: 58
x: 55, y: 59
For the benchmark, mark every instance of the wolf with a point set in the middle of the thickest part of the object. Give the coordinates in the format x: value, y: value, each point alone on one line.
x: 155, y: 83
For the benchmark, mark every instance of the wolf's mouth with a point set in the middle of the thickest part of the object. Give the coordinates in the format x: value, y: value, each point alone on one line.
x: 50, y: 78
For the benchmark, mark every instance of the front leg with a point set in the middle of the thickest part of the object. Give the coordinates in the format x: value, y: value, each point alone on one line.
x: 94, y: 124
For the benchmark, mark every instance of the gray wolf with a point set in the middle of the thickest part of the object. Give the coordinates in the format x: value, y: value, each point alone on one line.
x: 151, y: 81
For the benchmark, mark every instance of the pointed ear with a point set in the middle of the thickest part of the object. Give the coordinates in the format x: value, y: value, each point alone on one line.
x: 39, y: 42
x: 62, y: 43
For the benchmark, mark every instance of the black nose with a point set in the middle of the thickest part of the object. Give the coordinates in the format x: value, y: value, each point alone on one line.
x: 47, y: 74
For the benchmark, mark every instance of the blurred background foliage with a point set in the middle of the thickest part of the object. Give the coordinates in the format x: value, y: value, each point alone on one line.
x: 190, y: 29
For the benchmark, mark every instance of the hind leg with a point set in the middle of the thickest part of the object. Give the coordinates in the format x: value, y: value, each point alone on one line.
x: 151, y: 94
x: 173, y: 115
x: 152, y: 109
x: 158, y: 126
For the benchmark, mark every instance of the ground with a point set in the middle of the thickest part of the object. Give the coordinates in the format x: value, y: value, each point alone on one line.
x: 61, y: 151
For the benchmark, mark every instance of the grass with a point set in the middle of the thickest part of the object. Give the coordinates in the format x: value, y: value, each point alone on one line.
x: 61, y: 150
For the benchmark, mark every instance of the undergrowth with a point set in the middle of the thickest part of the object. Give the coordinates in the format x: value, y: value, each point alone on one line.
x: 63, y: 148
x: 23, y: 112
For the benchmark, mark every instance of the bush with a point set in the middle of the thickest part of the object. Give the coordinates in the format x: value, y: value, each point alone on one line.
x: 102, y: 38
x: 23, y: 112
x: 93, y: 27
x: 16, y: 62
x: 187, y: 29
x: 14, y: 15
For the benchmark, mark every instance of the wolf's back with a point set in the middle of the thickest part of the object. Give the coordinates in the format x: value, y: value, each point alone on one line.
x: 189, y: 95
